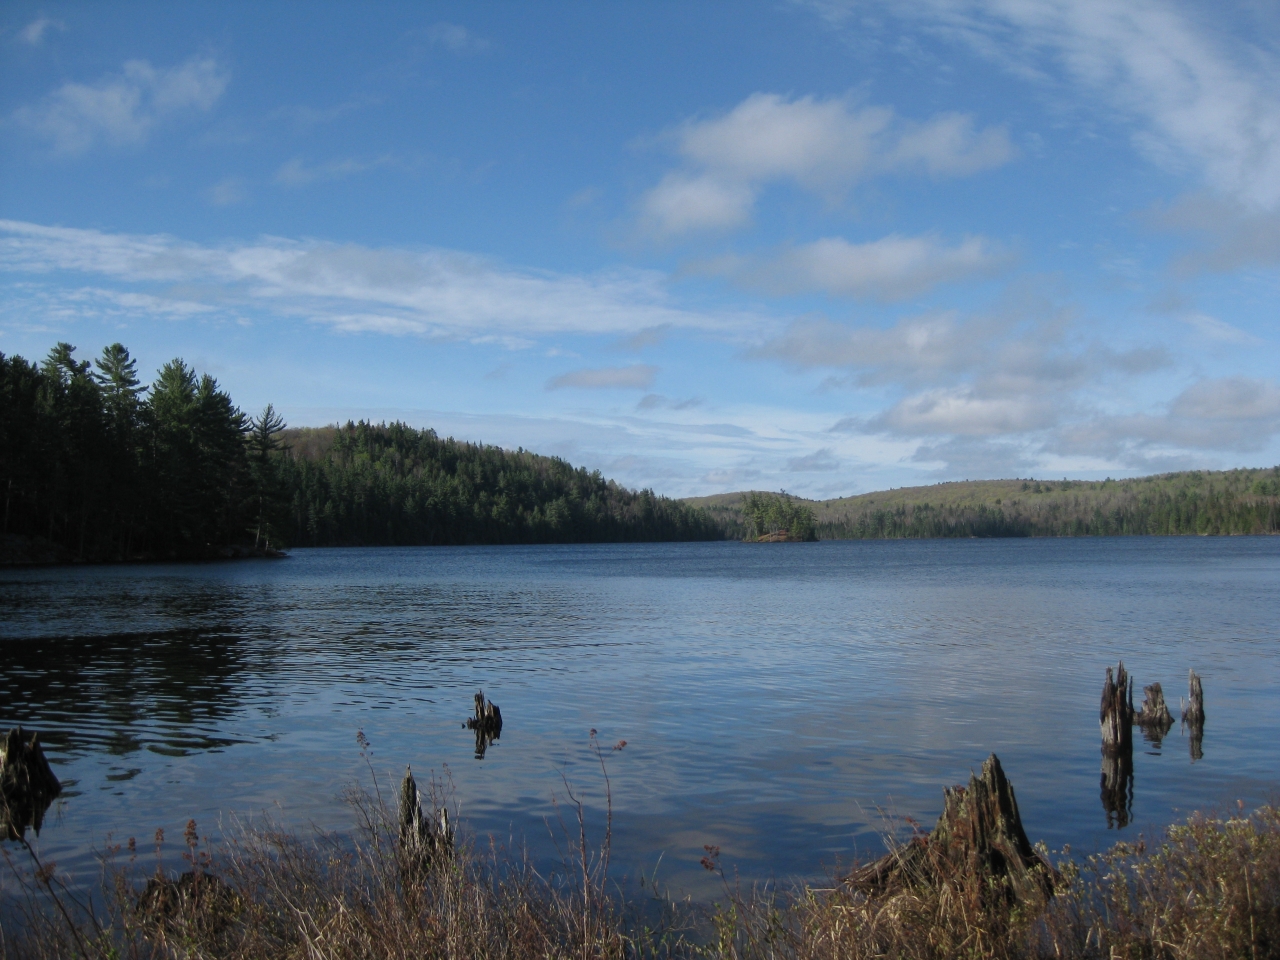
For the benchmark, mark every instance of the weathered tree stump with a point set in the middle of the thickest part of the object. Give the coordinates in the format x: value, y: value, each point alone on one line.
x: 978, y: 836
x: 1193, y: 715
x: 1116, y: 719
x: 27, y: 784
x: 1116, y: 715
x: 424, y: 837
x: 487, y: 723
x: 1154, y: 717
x: 1193, y: 709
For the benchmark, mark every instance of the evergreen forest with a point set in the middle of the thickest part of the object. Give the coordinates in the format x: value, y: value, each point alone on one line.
x: 364, y: 484
x: 1191, y: 502
x: 94, y: 465
x: 778, y: 515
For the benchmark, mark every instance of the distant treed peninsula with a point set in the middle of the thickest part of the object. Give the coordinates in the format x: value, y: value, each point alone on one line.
x: 95, y: 466
x: 1202, y: 502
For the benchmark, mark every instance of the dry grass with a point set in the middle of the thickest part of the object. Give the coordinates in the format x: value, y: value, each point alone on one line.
x: 1209, y: 889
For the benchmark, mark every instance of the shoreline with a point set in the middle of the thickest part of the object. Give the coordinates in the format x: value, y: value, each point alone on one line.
x: 18, y: 552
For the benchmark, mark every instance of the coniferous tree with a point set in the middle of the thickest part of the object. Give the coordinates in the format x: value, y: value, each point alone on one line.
x: 264, y: 470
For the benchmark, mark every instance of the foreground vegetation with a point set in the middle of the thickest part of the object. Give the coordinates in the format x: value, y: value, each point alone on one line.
x: 1227, y: 502
x: 96, y: 466
x: 1210, y: 888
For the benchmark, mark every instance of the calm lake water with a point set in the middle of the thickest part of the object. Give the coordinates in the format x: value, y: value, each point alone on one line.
x: 779, y: 701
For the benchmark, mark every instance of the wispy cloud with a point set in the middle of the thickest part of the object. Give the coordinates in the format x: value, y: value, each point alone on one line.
x: 636, y: 377
x: 122, y: 109
x: 656, y: 401
x: 822, y: 145
x: 892, y: 268
x: 387, y: 290
x: 227, y: 192
x: 1237, y: 414
x: 820, y: 461
x: 456, y: 37
x: 1200, y: 99
x: 33, y: 33
x: 296, y: 173
x: 1211, y: 328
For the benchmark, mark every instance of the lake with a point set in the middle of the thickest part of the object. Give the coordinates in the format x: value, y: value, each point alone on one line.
x: 788, y: 703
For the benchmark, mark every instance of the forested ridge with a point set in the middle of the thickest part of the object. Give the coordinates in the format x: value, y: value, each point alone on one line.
x: 391, y: 484
x: 96, y: 466
x: 1193, y: 502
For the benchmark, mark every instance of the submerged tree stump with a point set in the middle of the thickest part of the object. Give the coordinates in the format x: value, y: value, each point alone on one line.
x: 1116, y: 719
x: 487, y: 723
x: 978, y: 836
x: 27, y: 784
x: 1116, y: 715
x: 1154, y: 717
x: 1193, y: 715
x: 424, y: 837
x: 1193, y: 709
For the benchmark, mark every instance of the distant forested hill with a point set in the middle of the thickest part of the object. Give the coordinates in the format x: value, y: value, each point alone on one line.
x: 1191, y: 502
x: 96, y: 466
x: 392, y: 484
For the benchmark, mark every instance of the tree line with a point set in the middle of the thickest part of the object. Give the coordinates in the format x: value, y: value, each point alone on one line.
x: 1231, y: 502
x: 365, y: 484
x: 96, y: 466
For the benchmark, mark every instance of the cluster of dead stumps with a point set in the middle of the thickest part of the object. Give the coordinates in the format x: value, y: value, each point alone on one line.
x: 1118, y: 718
x: 487, y: 724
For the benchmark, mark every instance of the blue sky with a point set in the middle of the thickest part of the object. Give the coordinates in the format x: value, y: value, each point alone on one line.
x: 823, y: 246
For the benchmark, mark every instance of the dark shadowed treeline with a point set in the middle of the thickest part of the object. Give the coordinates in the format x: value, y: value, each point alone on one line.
x: 366, y: 484
x: 93, y: 465
x: 96, y: 466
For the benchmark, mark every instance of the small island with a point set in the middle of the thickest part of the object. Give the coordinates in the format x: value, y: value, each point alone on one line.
x: 777, y: 518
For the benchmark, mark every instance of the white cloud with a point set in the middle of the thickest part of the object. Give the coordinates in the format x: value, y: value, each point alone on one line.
x: 1211, y: 328
x: 823, y: 145
x: 1237, y: 414
x: 227, y: 191
x: 683, y: 203
x: 457, y: 38
x: 33, y: 33
x: 1230, y: 399
x: 1236, y: 235
x: 976, y: 457
x: 123, y: 108
x: 1201, y: 98
x: 949, y: 146
x: 423, y: 292
x: 963, y: 412
x: 296, y: 173
x: 920, y: 347
x: 817, y: 462
x: 635, y: 377
x: 892, y: 268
